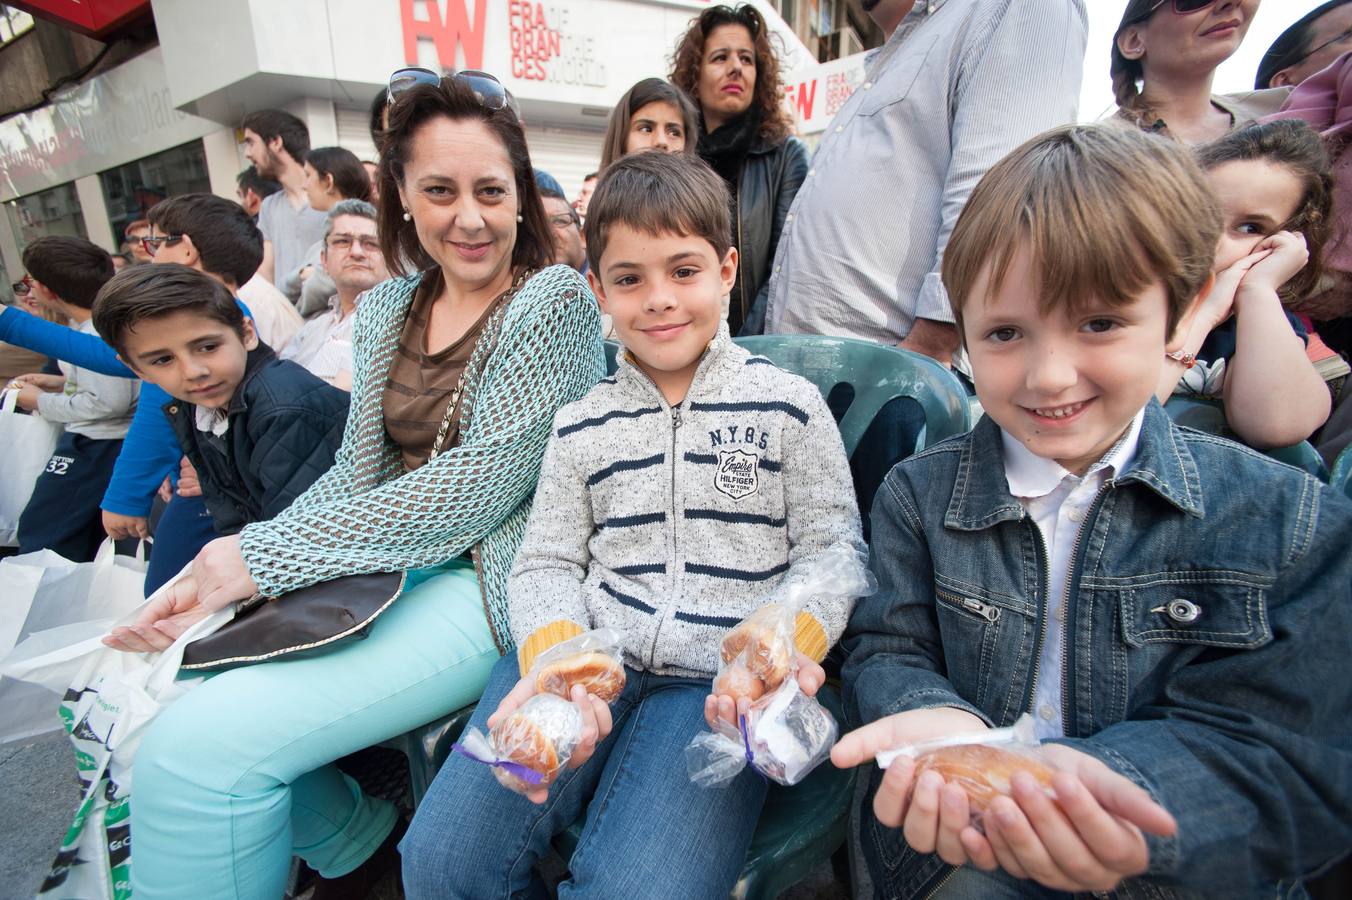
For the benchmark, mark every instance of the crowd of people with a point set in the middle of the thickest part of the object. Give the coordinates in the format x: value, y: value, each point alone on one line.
x: 398, y: 366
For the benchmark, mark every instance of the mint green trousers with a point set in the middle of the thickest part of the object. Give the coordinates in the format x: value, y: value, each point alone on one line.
x: 236, y: 776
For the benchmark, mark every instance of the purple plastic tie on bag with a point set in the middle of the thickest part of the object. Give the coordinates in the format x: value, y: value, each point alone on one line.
x: 746, y: 742
x: 525, y: 773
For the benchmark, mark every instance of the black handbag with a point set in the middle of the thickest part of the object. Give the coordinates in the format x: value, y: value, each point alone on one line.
x: 308, y: 619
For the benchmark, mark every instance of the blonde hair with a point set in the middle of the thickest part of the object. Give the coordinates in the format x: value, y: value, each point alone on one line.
x: 1105, y: 213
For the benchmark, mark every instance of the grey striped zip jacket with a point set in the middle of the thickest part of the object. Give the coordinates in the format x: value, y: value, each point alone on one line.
x: 674, y: 523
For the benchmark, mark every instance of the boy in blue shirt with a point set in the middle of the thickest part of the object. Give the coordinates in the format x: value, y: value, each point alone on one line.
x: 258, y: 430
x: 1172, y: 608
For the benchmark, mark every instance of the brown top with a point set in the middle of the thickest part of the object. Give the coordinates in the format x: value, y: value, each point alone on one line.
x: 420, y: 384
x: 1244, y: 108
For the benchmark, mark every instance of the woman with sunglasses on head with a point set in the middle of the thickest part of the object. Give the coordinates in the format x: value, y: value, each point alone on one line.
x: 459, y: 365
x: 1164, y: 59
x: 332, y: 175
x: 725, y: 63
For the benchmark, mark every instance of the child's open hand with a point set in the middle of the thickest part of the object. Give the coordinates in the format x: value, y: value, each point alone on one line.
x: 1286, y: 255
x: 1219, y: 301
x: 1087, y: 839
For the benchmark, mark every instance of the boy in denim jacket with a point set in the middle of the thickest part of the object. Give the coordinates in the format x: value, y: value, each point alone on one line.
x: 1172, y: 608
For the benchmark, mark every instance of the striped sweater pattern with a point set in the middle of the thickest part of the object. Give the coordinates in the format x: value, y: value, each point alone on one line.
x: 674, y: 523
x: 366, y: 514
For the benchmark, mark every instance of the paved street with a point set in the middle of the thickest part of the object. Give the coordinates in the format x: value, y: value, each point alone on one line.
x: 37, y: 784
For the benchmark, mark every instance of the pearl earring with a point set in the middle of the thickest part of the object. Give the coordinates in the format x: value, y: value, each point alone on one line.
x: 407, y: 217
x: 518, y: 218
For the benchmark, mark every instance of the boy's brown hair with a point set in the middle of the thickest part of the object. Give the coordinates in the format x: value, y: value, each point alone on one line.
x: 655, y: 192
x: 1105, y: 212
x: 139, y: 293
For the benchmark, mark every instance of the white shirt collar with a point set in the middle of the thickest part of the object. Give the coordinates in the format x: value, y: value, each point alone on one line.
x: 1031, y: 476
x: 211, y: 420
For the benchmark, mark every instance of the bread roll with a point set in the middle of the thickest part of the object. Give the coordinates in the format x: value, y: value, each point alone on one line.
x: 737, y: 681
x: 541, y: 736
x: 982, y: 771
x: 765, y: 650
x: 599, y: 673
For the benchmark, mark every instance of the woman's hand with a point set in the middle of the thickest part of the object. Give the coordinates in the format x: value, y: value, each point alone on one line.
x: 222, y: 575
x: 162, y: 622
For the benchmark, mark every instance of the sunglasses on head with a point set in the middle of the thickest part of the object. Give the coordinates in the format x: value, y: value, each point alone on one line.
x: 1182, y: 7
x: 744, y: 15
x: 489, y: 91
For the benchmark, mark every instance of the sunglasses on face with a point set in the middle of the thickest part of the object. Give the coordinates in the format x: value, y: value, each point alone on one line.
x: 489, y: 91
x: 1182, y: 7
x: 152, y: 243
x: 23, y: 287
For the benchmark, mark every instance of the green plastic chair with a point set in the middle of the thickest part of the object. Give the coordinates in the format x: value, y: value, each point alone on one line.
x: 1341, y: 479
x: 799, y: 826
x: 876, y: 372
x: 428, y: 747
x: 1209, y: 416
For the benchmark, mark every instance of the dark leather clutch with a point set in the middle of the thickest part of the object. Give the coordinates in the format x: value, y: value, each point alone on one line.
x: 311, y: 619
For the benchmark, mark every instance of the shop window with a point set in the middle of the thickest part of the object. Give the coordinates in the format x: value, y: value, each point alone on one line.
x: 53, y: 211
x: 130, y: 190
x: 13, y: 22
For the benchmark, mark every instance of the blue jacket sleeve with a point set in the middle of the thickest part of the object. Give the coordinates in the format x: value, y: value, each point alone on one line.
x: 84, y: 350
x: 149, y: 452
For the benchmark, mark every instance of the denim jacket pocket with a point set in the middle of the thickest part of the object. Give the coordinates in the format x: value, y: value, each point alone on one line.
x: 1218, y: 609
x: 984, y: 634
x: 1169, y: 620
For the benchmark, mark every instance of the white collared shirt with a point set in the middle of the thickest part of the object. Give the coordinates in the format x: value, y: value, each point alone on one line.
x: 211, y: 420
x: 1058, y: 502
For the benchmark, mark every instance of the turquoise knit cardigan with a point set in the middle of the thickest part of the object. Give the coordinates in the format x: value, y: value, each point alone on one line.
x: 367, y: 514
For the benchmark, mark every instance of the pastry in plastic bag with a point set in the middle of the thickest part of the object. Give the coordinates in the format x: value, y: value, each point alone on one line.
x: 528, y: 748
x: 762, y: 645
x: 785, y: 736
x: 981, y: 762
x: 593, y: 659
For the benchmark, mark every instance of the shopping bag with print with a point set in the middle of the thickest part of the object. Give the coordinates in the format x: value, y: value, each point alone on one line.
x: 48, y: 603
x: 28, y: 442
x: 106, y: 709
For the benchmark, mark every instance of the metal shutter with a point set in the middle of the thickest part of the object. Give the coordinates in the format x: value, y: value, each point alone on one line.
x: 353, y: 133
x: 567, y: 154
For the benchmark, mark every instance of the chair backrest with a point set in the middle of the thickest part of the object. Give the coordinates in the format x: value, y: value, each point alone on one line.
x: 877, y: 373
x: 1209, y: 416
x: 1341, y: 479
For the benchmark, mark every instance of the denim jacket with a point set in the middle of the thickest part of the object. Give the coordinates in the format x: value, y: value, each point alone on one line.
x: 1209, y: 624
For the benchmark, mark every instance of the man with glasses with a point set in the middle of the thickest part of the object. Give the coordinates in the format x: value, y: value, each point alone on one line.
x: 1311, y: 44
x: 570, y: 248
x: 353, y: 259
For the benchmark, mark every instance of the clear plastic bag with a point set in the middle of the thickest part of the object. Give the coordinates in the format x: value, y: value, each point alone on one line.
x: 782, y: 732
x: 784, y: 736
x: 981, y: 762
x: 529, y: 748
x: 593, y: 659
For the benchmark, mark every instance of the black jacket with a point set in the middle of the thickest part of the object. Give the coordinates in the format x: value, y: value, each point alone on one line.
x: 285, y: 427
x: 771, y: 176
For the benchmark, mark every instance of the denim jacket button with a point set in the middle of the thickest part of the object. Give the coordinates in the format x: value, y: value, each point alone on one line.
x: 1183, y: 611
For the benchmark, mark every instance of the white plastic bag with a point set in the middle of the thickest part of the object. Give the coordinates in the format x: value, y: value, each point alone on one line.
x: 106, y: 708
x: 48, y: 602
x: 28, y: 442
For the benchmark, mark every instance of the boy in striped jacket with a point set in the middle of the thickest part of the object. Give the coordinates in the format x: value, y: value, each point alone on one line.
x: 674, y: 498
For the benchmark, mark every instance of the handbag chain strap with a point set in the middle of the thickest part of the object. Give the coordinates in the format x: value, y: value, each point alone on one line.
x: 488, y: 333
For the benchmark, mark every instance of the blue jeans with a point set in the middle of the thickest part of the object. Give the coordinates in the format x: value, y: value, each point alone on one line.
x: 650, y: 832
x: 184, y: 528
x: 236, y: 776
